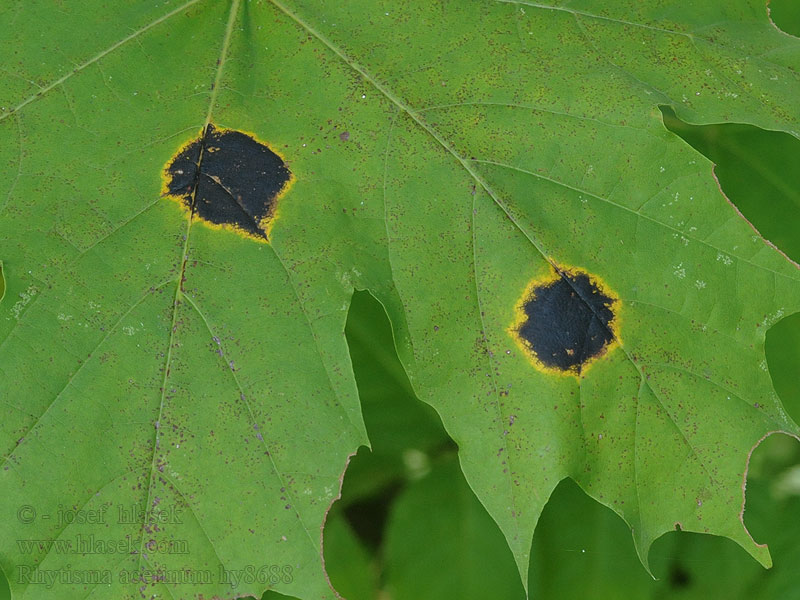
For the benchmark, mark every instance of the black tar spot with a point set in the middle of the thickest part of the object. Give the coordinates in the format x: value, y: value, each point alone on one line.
x: 227, y: 177
x: 568, y: 321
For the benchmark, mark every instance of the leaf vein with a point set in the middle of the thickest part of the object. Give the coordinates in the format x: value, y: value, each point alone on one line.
x: 95, y: 58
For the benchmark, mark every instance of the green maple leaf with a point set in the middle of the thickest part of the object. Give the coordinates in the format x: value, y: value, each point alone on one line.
x: 187, y: 388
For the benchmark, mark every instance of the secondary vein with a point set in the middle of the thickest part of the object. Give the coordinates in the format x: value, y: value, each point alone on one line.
x: 95, y: 58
